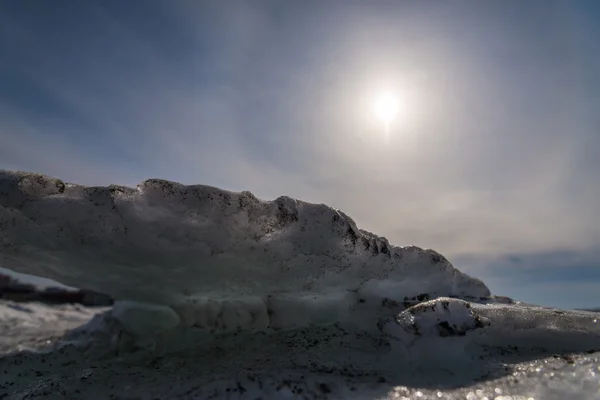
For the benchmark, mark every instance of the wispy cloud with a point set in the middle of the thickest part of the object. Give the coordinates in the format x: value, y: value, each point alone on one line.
x: 555, y: 278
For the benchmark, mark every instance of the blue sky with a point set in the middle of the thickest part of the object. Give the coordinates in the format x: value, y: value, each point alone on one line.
x: 493, y: 161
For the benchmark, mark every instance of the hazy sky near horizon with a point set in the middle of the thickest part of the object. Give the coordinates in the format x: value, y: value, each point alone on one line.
x: 493, y: 161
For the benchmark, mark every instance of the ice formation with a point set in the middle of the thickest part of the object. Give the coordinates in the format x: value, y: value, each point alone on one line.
x: 220, y: 259
x: 440, y: 317
x: 223, y: 295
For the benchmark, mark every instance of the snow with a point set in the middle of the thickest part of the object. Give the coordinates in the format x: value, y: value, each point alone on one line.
x: 317, y: 362
x: 223, y: 295
x: 40, y: 283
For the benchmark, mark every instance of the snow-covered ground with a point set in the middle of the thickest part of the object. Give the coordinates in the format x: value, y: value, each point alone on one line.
x: 222, y: 295
x: 511, y: 357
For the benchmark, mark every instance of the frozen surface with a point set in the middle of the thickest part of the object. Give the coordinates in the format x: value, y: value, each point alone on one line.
x: 34, y: 325
x: 222, y: 295
x: 140, y: 320
x: 328, y: 362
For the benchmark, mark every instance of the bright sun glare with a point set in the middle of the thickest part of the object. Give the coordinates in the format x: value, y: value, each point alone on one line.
x: 386, y: 107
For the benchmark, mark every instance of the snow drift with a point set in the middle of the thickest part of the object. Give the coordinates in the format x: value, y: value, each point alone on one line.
x: 203, y: 247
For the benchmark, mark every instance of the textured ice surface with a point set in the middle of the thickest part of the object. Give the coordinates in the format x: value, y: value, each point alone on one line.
x: 440, y: 318
x: 308, y: 363
x: 164, y: 242
x: 139, y: 319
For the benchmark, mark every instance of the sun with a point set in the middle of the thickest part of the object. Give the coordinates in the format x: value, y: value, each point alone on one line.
x: 386, y: 106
